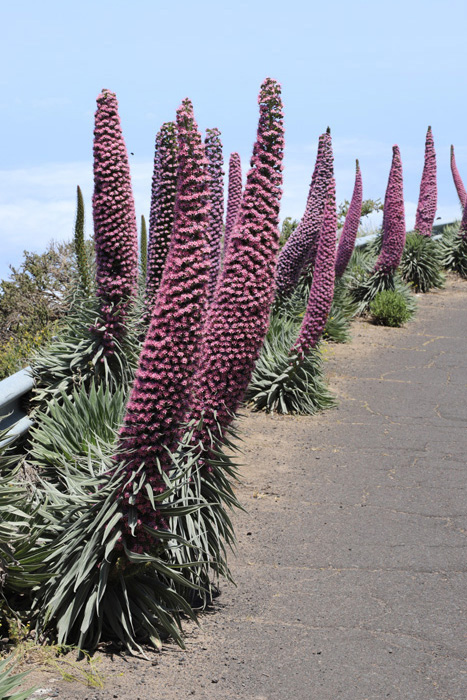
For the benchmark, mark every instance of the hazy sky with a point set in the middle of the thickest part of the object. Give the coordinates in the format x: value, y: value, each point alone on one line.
x: 376, y: 73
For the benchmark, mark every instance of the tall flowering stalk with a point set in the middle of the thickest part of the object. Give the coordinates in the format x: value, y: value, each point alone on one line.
x: 115, y: 230
x: 213, y: 146
x: 162, y: 211
x: 234, y: 198
x: 80, y: 246
x: 322, y: 288
x: 393, y: 219
x: 461, y: 193
x: 160, y: 392
x: 350, y: 229
x: 239, y: 314
x: 427, y: 200
x: 300, y: 249
x: 143, y: 249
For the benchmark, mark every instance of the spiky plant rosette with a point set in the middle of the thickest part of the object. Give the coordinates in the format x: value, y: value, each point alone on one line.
x: 281, y: 383
x: 454, y: 248
x: 364, y: 293
x: 21, y: 550
x: 342, y: 311
x: 10, y: 682
x: 421, y: 263
x: 77, y: 355
x: 98, y: 588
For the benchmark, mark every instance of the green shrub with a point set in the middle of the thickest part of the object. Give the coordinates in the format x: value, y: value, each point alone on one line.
x: 16, y: 352
x: 389, y: 308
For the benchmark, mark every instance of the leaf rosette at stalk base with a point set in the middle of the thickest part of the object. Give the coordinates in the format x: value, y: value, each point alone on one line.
x: 428, y: 197
x: 115, y: 230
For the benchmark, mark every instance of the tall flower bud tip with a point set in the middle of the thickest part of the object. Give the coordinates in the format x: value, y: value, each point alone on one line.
x: 461, y: 192
x: 427, y: 201
x: 299, y: 252
x: 393, y: 219
x: 351, y: 224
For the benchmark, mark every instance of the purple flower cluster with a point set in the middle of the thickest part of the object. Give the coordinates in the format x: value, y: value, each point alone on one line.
x: 322, y: 287
x: 393, y: 219
x: 239, y: 314
x: 351, y: 224
x: 234, y: 198
x: 162, y: 212
x: 213, y: 147
x: 427, y: 200
x: 300, y: 250
x: 169, y: 355
x: 461, y: 193
x: 115, y: 230
x: 463, y: 226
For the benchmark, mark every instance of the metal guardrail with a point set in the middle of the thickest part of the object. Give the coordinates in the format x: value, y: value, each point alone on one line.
x: 13, y: 391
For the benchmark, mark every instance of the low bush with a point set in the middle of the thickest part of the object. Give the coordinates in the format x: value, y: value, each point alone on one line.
x: 389, y: 308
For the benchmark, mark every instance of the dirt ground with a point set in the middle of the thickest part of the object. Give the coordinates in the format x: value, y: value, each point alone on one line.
x: 348, y: 565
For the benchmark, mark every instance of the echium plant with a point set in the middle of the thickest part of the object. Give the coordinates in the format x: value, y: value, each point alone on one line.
x: 384, y: 275
x: 115, y: 230
x: 213, y: 147
x: 162, y: 212
x: 234, y: 197
x: 300, y: 250
x: 461, y: 193
x: 239, y: 313
x: 393, y: 219
x: 351, y: 224
x: 288, y: 376
x: 322, y: 288
x: 427, y: 200
x: 161, y: 389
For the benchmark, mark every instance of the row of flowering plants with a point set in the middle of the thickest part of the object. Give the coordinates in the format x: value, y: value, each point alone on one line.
x: 126, y: 526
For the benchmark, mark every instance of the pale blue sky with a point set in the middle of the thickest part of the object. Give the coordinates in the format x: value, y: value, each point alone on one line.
x: 376, y: 73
